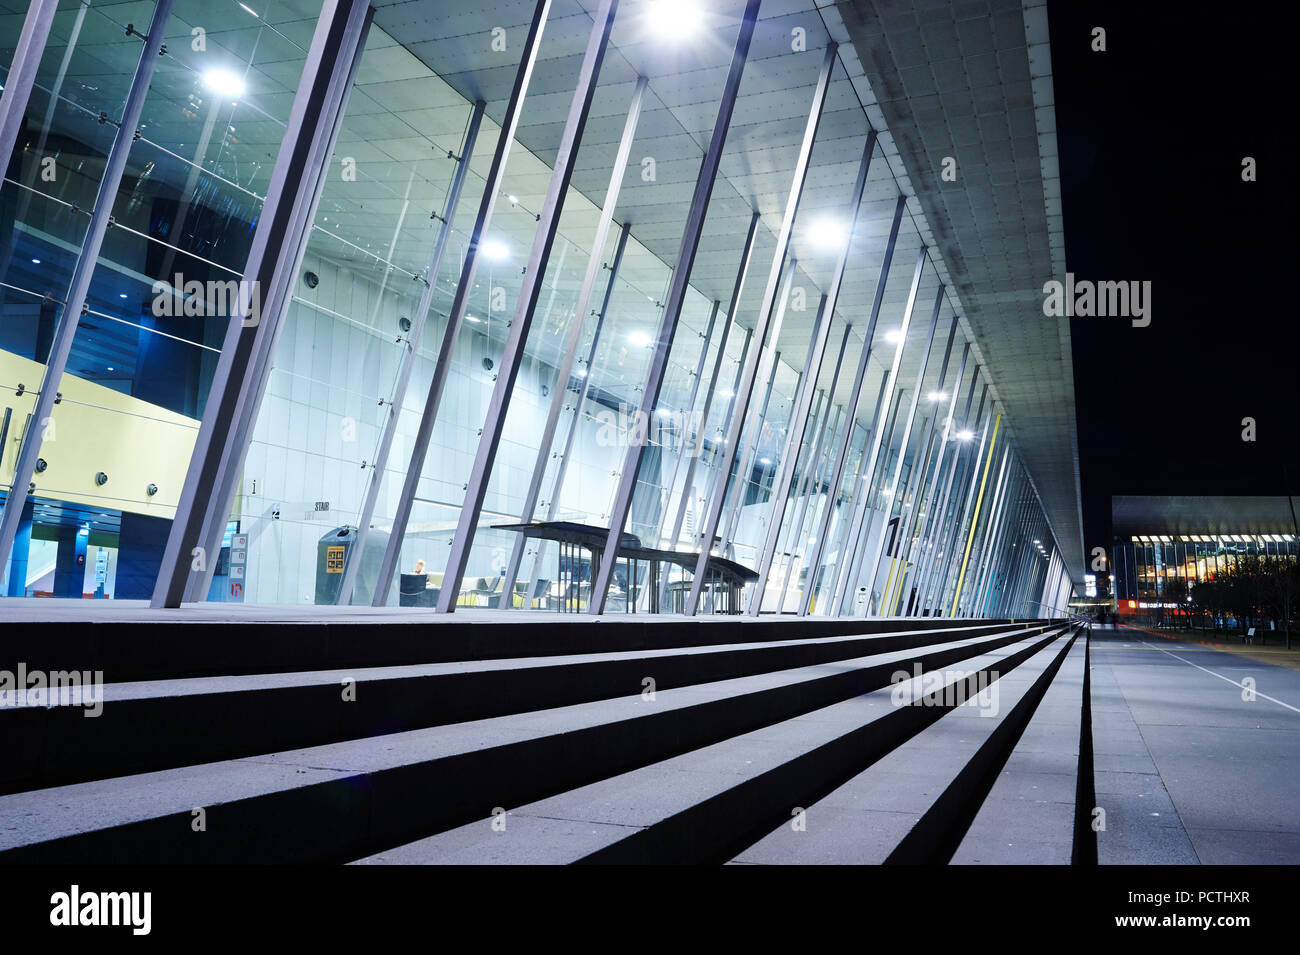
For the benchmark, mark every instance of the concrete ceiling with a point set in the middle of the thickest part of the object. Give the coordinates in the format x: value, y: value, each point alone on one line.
x: 971, y: 80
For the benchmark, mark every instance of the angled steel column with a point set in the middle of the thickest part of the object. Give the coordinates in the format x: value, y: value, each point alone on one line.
x: 459, y: 305
x: 246, y: 355
x: 789, y: 454
x: 1016, y: 559
x: 963, y: 464
x: 810, y: 484
x: 689, y: 433
x: 747, y: 461
x: 781, y: 488
x: 975, y: 517
x: 851, y: 411
x: 673, y: 303
x: 1009, y: 548
x: 353, y: 560
x: 749, y: 450
x: 576, y: 325
x: 737, y: 290
x: 894, y: 482
x: 557, y: 486
x: 942, y: 436
x: 27, y: 58
x: 715, y: 476
x: 847, y: 562
x: 517, y: 339
x: 22, y: 73
x: 993, y: 535
x: 917, y: 486
x: 764, y: 326
x: 809, y: 487
x: 986, y: 534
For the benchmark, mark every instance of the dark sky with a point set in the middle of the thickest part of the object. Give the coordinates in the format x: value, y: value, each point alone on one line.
x: 1152, y: 133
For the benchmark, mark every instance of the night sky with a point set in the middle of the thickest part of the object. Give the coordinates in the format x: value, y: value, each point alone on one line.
x: 1152, y: 133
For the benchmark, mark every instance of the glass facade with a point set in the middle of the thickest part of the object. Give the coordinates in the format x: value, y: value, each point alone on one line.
x: 870, y: 473
x: 1156, y: 577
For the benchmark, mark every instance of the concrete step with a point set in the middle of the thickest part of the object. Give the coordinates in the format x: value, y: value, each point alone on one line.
x: 1029, y: 814
x: 155, y: 725
x: 292, y: 641
x: 348, y: 799
x: 697, y: 807
x: 905, y: 806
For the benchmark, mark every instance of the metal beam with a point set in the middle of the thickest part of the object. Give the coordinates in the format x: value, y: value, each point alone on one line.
x: 848, y: 559
x: 565, y: 368
x: 244, y: 366
x: 979, y: 501
x: 737, y: 290
x: 26, y: 61
x: 557, y: 486
x: 763, y: 327
x: 517, y: 339
x: 851, y: 410
x: 23, y: 68
x: 380, y: 464
x: 674, y: 301
x: 459, y: 304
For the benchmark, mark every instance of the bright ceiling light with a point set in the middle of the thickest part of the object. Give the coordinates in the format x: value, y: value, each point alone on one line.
x: 965, y: 435
x: 828, y: 234
x: 224, y: 83
x: 894, y: 335
x: 764, y: 460
x: 937, y: 396
x: 726, y: 393
x: 471, y: 318
x: 673, y: 19
x: 639, y: 339
x: 495, y: 250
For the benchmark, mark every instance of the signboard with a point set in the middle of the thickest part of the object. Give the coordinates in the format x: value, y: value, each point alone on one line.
x: 334, y: 560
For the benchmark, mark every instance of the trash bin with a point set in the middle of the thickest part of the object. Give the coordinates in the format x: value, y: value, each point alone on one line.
x: 860, y: 601
x: 331, y: 557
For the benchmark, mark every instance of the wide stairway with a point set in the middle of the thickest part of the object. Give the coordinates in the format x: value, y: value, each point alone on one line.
x: 540, y: 741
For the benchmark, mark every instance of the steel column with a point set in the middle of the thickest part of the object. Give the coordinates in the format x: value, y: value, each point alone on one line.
x: 23, y: 68
x: 689, y: 483
x: 936, y: 530
x: 577, y: 323
x: 353, y: 561
x: 764, y: 327
x: 517, y: 338
x: 924, y: 538
x: 459, y: 304
x: 789, y: 454
x: 847, y: 568
x: 246, y: 356
x: 674, y: 301
x: 812, y: 478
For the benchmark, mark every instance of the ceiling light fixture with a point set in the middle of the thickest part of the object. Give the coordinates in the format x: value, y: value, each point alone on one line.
x: 894, y: 335
x: 495, y: 250
x: 639, y: 339
x: 224, y: 83
x: 673, y: 19
x: 828, y: 234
